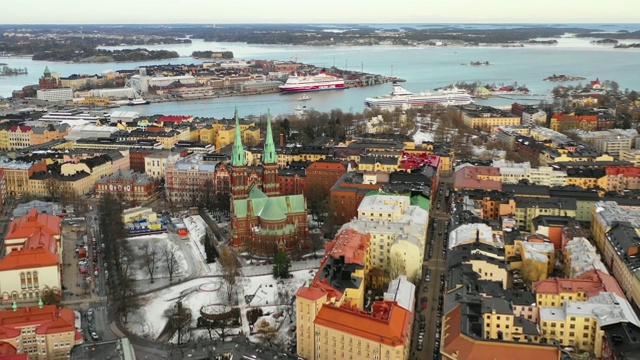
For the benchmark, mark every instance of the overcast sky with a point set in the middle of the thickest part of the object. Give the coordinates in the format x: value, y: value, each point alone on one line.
x: 317, y: 11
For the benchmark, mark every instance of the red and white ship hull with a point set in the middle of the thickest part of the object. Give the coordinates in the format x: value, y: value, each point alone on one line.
x: 311, y: 87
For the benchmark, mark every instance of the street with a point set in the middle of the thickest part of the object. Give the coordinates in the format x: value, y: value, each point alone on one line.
x: 434, y: 268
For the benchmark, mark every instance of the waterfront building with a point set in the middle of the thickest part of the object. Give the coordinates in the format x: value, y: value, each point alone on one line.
x: 49, y: 80
x: 55, y: 95
x: 42, y: 332
x: 263, y: 221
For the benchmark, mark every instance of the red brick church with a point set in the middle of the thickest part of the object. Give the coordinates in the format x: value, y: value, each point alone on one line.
x: 263, y: 221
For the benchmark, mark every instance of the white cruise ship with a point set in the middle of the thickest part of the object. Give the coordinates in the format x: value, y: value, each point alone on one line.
x: 322, y: 81
x: 405, y: 98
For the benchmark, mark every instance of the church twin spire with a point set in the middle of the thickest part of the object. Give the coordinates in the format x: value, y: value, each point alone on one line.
x: 268, y: 154
x: 237, y: 157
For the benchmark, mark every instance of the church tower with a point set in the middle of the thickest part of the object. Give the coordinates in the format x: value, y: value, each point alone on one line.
x: 239, y: 188
x: 270, y: 185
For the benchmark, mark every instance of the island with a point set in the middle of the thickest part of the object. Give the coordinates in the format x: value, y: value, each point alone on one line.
x: 555, y: 77
x: 208, y: 54
x: 105, y: 56
x: 8, y: 71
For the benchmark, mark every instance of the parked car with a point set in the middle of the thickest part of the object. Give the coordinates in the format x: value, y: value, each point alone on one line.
x: 94, y: 336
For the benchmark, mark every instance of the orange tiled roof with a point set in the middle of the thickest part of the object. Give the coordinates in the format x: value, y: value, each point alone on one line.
x: 48, y: 319
x: 28, y: 259
x: 25, y: 226
x: 388, y: 323
x: 469, y: 348
x: 310, y: 293
x: 43, y: 240
x: 592, y: 283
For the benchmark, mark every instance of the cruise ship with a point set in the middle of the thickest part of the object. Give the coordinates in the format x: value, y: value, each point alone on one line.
x: 322, y: 81
x: 405, y: 98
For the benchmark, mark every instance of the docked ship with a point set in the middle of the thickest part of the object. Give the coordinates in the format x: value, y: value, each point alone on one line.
x: 322, y: 81
x: 405, y: 98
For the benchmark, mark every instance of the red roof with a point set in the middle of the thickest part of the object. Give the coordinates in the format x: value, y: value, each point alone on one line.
x: 468, y: 178
x: 48, y: 319
x: 25, y: 226
x: 7, y: 349
x: 626, y: 171
x: 413, y: 160
x: 592, y: 283
x: 174, y: 118
x: 327, y: 165
x: 40, y: 239
x: 22, y: 128
x: 8, y: 333
x: 28, y: 259
x: 388, y: 322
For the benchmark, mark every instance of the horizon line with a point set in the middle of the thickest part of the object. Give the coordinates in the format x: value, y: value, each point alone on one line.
x: 335, y: 23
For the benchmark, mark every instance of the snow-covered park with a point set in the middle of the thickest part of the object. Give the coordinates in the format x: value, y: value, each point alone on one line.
x: 158, y: 244
x: 265, y: 292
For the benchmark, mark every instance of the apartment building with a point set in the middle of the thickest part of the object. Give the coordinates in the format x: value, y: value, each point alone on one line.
x: 580, y: 256
x: 512, y: 173
x: 55, y: 95
x: 186, y: 177
x: 487, y: 118
x: 42, y: 332
x: 630, y: 155
x: 129, y: 185
x: 18, y: 173
x: 614, y: 229
x: 578, y: 324
x: 398, y: 233
x: 331, y: 321
x: 347, y: 193
x: 155, y: 163
x: 322, y: 175
x: 528, y: 208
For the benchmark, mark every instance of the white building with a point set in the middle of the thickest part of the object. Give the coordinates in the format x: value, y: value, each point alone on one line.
x: 580, y: 256
x: 117, y: 93
x: 398, y: 233
x: 512, y: 173
x: 470, y: 233
x: 154, y: 164
x: 61, y: 94
x: 88, y: 130
x: 125, y: 116
x: 401, y: 291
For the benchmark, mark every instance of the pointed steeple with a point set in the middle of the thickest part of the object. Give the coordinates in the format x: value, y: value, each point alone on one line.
x: 269, y: 152
x: 237, y: 157
x: 46, y: 70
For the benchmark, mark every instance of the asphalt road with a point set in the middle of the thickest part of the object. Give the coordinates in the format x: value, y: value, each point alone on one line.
x: 434, y: 265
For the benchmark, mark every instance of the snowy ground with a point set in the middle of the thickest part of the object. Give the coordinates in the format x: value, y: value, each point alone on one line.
x: 197, y: 231
x: 148, y: 321
x: 160, y: 243
x: 422, y: 136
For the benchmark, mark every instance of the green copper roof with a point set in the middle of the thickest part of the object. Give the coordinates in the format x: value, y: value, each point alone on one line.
x: 46, y: 70
x: 269, y: 208
x: 237, y: 158
x: 421, y: 201
x: 269, y: 153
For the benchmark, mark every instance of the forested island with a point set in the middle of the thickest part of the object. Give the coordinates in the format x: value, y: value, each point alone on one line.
x: 212, y: 54
x: 60, y: 40
x: 9, y: 71
x: 104, y: 56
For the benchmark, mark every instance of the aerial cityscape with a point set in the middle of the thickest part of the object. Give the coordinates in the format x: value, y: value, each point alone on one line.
x: 339, y: 181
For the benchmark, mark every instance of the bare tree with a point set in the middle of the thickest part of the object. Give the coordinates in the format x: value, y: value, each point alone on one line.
x: 229, y: 265
x: 266, y: 331
x: 53, y: 188
x: 396, y: 266
x: 171, y: 262
x: 150, y: 258
x: 179, y: 318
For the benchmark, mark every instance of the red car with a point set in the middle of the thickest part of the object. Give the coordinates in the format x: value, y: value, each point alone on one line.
x: 424, y: 302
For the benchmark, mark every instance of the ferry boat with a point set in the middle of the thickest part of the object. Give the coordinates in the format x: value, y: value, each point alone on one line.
x: 304, y: 97
x: 399, y: 96
x: 322, y: 81
x: 139, y: 102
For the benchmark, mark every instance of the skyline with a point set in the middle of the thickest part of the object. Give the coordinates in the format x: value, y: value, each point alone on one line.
x: 327, y: 12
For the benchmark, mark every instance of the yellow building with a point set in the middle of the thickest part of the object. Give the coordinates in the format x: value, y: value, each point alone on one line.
x: 631, y: 155
x: 93, y: 101
x: 578, y: 324
x: 487, y: 118
x: 331, y: 321
x: 4, y: 139
x: 170, y: 138
x: 224, y: 133
x: 43, y: 332
x: 528, y: 208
